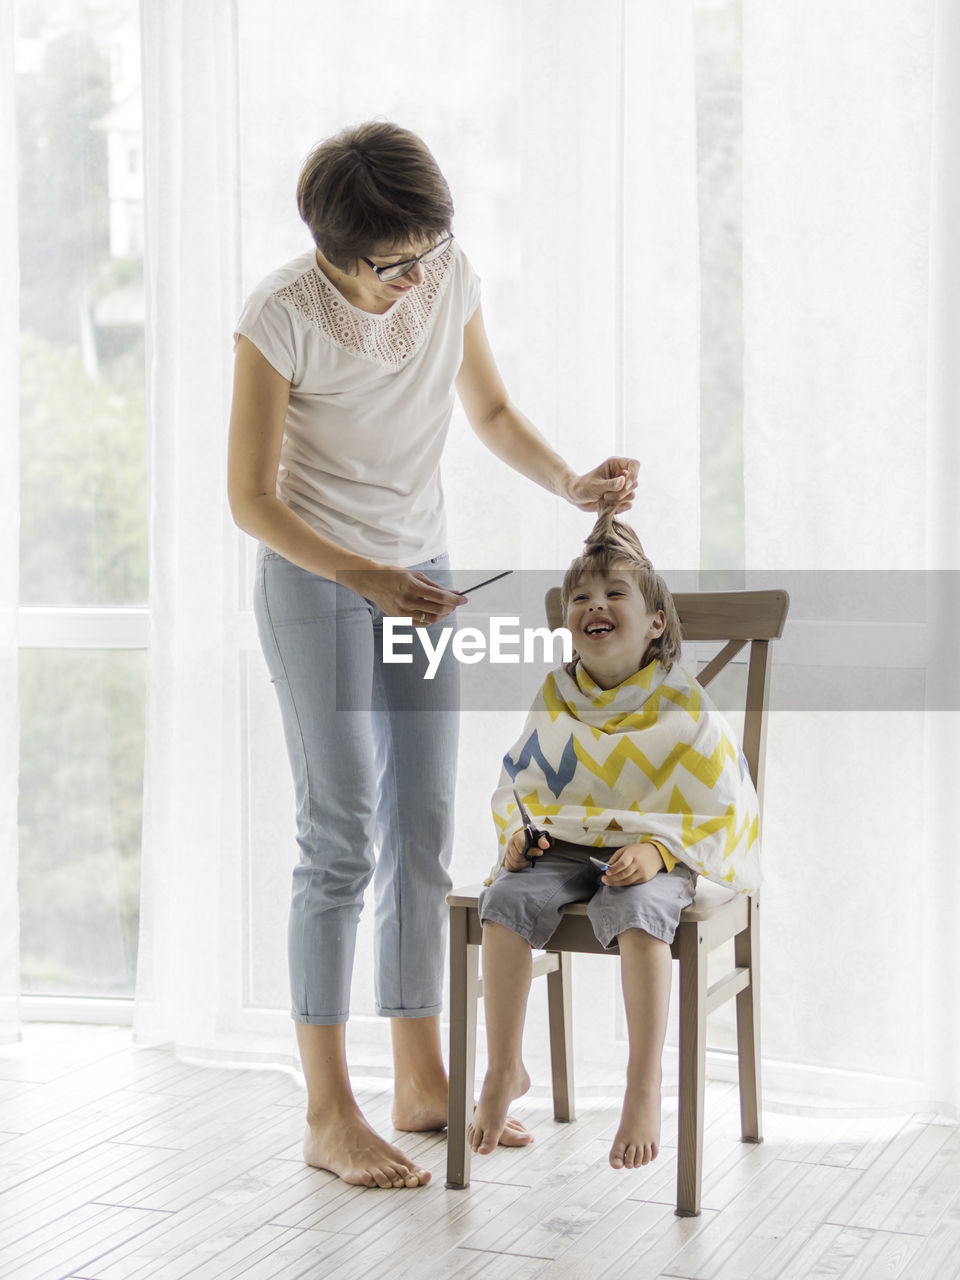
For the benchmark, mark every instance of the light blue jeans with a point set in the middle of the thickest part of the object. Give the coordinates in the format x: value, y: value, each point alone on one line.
x: 373, y: 748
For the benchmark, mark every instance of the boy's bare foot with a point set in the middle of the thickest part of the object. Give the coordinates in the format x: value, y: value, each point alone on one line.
x: 425, y: 1111
x: 345, y: 1144
x: 638, y: 1138
x: 491, y: 1124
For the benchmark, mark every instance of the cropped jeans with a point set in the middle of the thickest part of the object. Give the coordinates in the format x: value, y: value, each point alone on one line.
x: 373, y: 749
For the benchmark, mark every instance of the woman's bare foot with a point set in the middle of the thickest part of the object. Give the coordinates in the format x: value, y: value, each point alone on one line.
x: 638, y: 1138
x: 491, y: 1124
x: 420, y: 1106
x: 344, y: 1143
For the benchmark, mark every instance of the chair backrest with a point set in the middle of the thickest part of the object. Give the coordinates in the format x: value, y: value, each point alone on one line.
x: 740, y: 618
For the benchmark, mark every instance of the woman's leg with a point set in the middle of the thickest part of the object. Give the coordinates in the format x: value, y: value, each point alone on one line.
x: 420, y: 1077
x: 507, y: 972
x: 417, y: 726
x: 645, y: 970
x: 338, y: 1138
x: 318, y: 642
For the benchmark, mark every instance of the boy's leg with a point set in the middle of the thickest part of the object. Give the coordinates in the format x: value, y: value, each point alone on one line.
x: 645, y: 970
x: 507, y: 971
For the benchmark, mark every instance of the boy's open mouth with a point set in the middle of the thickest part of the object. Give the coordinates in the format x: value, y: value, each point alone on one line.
x: 598, y: 628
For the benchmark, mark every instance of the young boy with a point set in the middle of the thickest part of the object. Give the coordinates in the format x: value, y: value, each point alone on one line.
x: 624, y: 759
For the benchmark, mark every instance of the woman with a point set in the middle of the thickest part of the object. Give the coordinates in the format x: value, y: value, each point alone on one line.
x: 346, y: 362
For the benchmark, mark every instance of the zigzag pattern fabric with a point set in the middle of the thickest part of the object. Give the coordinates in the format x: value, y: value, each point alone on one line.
x: 652, y: 758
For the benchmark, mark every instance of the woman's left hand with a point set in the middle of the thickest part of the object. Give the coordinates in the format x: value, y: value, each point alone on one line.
x: 614, y: 483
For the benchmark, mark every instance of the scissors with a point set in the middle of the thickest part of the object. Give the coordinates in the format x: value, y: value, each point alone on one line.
x: 531, y: 835
x: 485, y: 583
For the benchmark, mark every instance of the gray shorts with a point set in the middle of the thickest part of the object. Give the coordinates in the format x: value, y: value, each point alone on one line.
x: 531, y: 901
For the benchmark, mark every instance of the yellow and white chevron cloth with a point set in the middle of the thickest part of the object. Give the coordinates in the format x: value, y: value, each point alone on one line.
x: 652, y: 758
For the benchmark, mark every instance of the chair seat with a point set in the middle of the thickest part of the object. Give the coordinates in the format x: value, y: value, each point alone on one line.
x: 709, y: 898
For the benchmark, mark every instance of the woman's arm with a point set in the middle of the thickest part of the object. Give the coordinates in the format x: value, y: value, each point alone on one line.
x: 513, y: 437
x: 260, y: 398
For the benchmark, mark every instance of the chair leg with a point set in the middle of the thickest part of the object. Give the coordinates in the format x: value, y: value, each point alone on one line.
x: 747, y: 955
x: 560, y: 1010
x: 691, y: 953
x: 464, y: 992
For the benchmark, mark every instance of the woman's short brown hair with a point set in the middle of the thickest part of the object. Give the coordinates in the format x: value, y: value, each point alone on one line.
x: 372, y: 186
x: 612, y: 544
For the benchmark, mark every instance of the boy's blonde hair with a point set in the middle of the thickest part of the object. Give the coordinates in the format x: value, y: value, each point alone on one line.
x: 613, y: 544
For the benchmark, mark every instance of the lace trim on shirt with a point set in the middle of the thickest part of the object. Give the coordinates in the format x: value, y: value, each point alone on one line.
x: 387, y: 339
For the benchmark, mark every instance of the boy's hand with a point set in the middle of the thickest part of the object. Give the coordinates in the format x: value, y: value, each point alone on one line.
x: 513, y: 859
x: 633, y: 864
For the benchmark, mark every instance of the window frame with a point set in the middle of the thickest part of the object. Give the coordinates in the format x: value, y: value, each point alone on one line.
x: 86, y: 628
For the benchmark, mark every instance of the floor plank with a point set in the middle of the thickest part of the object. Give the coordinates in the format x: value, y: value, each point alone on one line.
x: 854, y: 1254
x: 901, y: 1189
x: 89, y: 1232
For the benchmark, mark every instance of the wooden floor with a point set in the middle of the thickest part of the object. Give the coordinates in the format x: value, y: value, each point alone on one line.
x: 118, y: 1162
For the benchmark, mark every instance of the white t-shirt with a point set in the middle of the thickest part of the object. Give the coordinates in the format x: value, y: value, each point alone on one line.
x: 370, y: 402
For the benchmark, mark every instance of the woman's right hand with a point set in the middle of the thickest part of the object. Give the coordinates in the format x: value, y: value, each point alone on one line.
x: 403, y: 593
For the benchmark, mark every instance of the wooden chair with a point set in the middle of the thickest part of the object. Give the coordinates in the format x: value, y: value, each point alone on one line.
x: 717, y: 914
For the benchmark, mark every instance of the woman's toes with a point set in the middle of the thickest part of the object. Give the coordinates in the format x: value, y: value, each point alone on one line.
x: 515, y: 1134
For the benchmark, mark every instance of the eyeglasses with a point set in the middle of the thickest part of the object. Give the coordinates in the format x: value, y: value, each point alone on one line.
x: 397, y: 269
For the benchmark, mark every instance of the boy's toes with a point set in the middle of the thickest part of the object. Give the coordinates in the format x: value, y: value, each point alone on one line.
x: 628, y: 1155
x: 485, y: 1143
x: 477, y: 1139
x: 485, y: 1138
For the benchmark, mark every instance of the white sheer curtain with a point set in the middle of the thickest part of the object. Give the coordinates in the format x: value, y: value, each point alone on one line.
x: 850, y: 285
x: 571, y: 154
x: 941, y: 953
x: 554, y: 138
x: 190, y: 964
x: 9, y: 553
x: 571, y: 149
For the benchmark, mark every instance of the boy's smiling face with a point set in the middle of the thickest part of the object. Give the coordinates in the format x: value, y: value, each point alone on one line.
x: 611, y: 625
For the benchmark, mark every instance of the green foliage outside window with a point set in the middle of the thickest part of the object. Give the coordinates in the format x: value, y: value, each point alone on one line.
x: 81, y: 775
x: 83, y: 482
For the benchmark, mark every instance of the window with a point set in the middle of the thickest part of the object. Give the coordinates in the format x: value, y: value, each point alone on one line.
x: 83, y: 495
